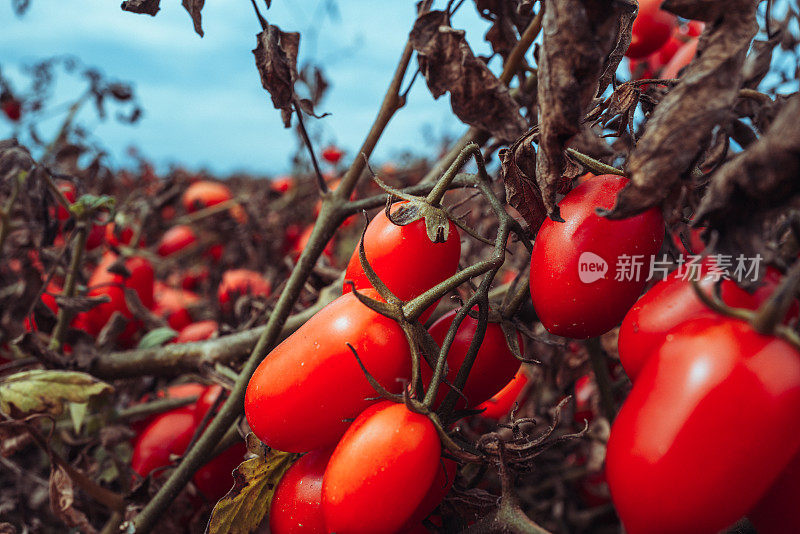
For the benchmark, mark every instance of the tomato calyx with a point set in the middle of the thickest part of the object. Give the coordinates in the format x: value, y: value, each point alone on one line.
x: 437, y: 223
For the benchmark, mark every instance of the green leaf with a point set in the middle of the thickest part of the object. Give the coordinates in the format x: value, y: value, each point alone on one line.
x: 156, y: 338
x: 77, y: 412
x: 44, y: 391
x: 254, y: 481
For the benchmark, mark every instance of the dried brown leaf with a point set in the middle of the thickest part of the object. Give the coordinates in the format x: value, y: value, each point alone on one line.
x: 680, y: 127
x: 578, y: 37
x: 518, y: 169
x: 195, y: 8
x: 145, y: 7
x: 477, y: 97
x: 276, y: 60
x: 62, y: 498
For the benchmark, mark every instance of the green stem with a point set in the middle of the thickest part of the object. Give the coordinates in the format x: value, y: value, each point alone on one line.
x: 593, y: 164
x: 64, y: 314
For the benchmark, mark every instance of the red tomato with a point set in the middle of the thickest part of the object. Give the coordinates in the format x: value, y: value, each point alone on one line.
x: 709, y: 425
x: 651, y: 29
x: 301, y: 242
x: 673, y: 301
x: 215, y: 478
x: 380, y: 471
x: 404, y: 258
x: 12, y: 108
x: 70, y: 193
x: 681, y: 58
x: 96, y: 237
x: 198, y: 331
x: 175, y: 239
x: 332, y: 154
x: 585, y: 390
x: 282, y: 184
x: 236, y: 282
x: 439, y: 488
x: 105, y: 283
x: 193, y: 277
x: 694, y: 239
x: 203, y: 194
x: 312, y: 380
x: 574, y: 264
x: 173, y: 305
x: 178, y: 391
x: 119, y: 235
x: 297, y: 503
x: 500, y: 404
x: 494, y: 365
x: 214, y: 252
x: 777, y: 511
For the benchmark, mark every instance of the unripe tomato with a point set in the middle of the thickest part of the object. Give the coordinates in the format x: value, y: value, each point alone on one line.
x: 236, y: 282
x: 404, y: 258
x: 651, y: 29
x: 105, y: 283
x: 574, y: 264
x: 673, y: 301
x: 332, y: 154
x: 297, y: 503
x: 300, y: 396
x: 500, y: 404
x: 199, y: 331
x: 203, y: 194
x: 682, y: 57
x: 777, y: 511
x: 176, y: 238
x: 173, y: 305
x: 380, y: 471
x: 494, y: 364
x: 709, y: 425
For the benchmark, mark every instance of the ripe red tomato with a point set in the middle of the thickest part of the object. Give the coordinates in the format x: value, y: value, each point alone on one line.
x: 439, y: 488
x: 332, y: 154
x: 380, y: 471
x: 11, y: 107
x: 694, y: 238
x: 777, y: 511
x: 709, y: 425
x: 199, y: 331
x: 297, y: 503
x: 404, y: 258
x: 574, y: 264
x: 494, y: 365
x: 173, y: 305
x: 176, y: 238
x: 203, y: 194
x: 70, y: 193
x: 105, y: 283
x: 651, y: 29
x: 236, y: 282
x: 682, y: 57
x: 500, y: 404
x: 585, y: 390
x: 673, y: 301
x: 282, y: 184
x: 179, y: 391
x: 300, y: 242
x: 48, y: 298
x: 313, y: 381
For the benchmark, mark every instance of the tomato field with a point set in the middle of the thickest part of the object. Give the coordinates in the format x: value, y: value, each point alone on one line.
x: 582, y: 316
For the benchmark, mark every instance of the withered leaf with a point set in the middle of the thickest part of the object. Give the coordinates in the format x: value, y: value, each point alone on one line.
x: 276, y: 60
x: 195, y: 8
x: 757, y: 63
x: 44, y: 391
x: 145, y: 7
x: 680, y: 127
x: 760, y: 180
x: 578, y: 37
x: 477, y: 97
x: 62, y: 498
x: 623, y: 41
x: 254, y: 483
x: 518, y: 169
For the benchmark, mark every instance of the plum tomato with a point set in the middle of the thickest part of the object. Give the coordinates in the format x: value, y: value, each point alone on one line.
x: 500, y: 404
x: 651, y: 29
x: 297, y: 503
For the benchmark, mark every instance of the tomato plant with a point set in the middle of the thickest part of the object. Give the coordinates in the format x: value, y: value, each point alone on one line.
x: 494, y: 364
x: 567, y: 302
x: 715, y: 398
x: 380, y: 471
x: 313, y: 380
x: 394, y: 251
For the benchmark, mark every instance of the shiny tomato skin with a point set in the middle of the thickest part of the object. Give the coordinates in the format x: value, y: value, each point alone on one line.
x: 297, y: 504
x: 313, y: 381
x: 380, y: 471
x: 778, y: 512
x: 567, y: 306
x: 709, y: 425
x: 651, y: 29
x: 682, y: 57
x: 440, y: 487
x: 494, y: 365
x: 404, y: 258
x: 673, y: 301
x: 167, y: 434
x: 204, y: 194
x: 500, y: 404
x: 175, y: 239
x: 236, y: 282
x: 199, y: 331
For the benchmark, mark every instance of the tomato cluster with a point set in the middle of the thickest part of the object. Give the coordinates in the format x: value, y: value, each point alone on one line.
x: 708, y: 433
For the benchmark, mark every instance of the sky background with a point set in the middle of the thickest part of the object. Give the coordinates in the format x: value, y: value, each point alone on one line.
x: 204, y: 106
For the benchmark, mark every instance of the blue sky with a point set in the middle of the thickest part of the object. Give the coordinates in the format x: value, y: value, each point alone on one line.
x: 203, y: 100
